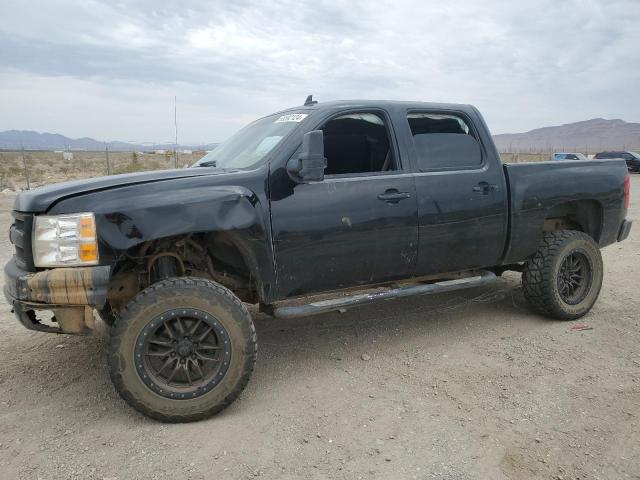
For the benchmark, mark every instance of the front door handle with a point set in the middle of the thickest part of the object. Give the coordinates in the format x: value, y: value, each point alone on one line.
x: 484, y: 188
x: 392, y: 195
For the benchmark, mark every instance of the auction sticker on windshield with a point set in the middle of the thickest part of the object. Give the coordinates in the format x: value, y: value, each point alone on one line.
x: 292, y: 117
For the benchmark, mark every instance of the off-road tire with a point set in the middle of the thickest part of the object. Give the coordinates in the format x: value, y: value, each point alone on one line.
x: 178, y: 293
x: 540, y: 282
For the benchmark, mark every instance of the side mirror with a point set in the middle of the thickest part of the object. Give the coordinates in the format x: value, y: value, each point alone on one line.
x: 309, y: 165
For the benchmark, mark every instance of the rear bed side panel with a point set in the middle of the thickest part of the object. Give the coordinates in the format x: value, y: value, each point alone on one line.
x: 536, y: 188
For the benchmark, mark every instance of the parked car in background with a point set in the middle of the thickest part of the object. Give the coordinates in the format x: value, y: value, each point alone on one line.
x: 569, y: 156
x: 632, y: 158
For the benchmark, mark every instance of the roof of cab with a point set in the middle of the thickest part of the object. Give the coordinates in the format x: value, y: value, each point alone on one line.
x: 385, y: 104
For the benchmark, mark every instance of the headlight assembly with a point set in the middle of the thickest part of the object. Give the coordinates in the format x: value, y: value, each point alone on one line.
x: 65, y: 240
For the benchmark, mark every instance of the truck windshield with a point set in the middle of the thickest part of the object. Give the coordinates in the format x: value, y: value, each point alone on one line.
x: 249, y: 147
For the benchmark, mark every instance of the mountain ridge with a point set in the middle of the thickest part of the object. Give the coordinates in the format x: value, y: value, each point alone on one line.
x: 591, y: 135
x: 32, y: 140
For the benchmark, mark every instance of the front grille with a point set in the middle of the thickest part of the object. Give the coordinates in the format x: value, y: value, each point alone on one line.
x: 20, y: 236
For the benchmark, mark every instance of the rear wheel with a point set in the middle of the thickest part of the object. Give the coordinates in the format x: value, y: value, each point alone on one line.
x: 182, y: 350
x: 564, y: 277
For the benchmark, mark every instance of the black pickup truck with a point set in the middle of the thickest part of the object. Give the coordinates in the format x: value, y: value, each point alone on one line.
x: 313, y: 209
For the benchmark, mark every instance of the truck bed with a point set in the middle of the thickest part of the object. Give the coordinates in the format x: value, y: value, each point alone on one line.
x: 592, y: 190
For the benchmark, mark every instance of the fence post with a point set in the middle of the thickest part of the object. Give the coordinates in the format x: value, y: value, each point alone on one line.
x: 175, y: 122
x: 26, y: 169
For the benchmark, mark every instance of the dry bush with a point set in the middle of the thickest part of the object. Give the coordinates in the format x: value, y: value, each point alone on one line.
x: 525, y: 157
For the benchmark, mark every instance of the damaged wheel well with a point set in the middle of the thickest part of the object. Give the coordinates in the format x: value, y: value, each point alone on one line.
x: 216, y: 256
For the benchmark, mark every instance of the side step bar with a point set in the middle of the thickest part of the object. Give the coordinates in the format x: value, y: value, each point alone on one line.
x: 314, y: 308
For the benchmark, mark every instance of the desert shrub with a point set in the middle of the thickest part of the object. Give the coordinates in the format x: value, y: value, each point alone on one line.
x: 129, y: 168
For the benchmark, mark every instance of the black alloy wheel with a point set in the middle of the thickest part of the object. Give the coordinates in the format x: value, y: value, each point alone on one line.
x: 182, y: 353
x: 574, y: 278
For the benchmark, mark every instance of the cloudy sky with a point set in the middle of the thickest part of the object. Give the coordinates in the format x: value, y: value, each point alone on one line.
x: 110, y: 69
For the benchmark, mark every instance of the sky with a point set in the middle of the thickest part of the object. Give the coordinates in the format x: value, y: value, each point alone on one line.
x: 110, y: 69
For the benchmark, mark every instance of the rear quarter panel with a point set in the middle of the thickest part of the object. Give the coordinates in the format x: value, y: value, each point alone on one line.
x: 536, y: 188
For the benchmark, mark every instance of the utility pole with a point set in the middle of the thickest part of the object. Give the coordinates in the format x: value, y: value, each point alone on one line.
x: 175, y: 123
x: 106, y: 153
x: 26, y: 169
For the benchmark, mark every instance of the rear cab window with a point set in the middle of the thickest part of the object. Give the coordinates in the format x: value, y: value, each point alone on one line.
x: 444, y: 141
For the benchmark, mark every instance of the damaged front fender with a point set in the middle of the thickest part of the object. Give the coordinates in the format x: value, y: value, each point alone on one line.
x: 134, y: 214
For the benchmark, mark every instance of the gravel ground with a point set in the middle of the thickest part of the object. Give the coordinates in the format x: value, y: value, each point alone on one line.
x: 465, y: 385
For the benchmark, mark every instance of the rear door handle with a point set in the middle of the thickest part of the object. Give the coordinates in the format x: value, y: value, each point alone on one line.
x: 484, y: 188
x: 392, y: 195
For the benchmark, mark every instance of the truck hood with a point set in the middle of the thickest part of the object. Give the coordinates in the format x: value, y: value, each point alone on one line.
x: 42, y: 198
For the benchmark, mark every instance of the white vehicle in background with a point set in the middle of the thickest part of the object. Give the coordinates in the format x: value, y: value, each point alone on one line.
x: 569, y: 156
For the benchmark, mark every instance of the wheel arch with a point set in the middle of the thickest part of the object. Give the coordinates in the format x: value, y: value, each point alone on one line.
x: 224, y: 257
x: 583, y: 215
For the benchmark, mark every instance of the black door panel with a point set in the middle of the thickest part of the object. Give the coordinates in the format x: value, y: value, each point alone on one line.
x: 338, y: 233
x: 459, y: 227
x: 462, y: 210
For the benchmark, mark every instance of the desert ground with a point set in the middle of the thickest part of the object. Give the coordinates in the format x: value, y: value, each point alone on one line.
x: 465, y: 385
x: 44, y: 167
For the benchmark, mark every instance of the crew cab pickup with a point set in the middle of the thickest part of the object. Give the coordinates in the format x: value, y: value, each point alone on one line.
x: 314, y: 209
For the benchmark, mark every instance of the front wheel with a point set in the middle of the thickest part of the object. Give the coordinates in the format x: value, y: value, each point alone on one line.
x: 564, y: 277
x: 182, y: 349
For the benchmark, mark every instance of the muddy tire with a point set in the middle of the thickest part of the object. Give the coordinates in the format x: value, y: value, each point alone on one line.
x: 564, y: 277
x: 182, y: 350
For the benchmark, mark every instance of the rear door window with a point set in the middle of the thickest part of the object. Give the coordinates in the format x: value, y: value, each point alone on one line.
x: 444, y: 142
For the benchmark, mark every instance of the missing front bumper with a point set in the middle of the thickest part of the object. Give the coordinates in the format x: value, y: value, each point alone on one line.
x: 70, y: 293
x: 75, y: 320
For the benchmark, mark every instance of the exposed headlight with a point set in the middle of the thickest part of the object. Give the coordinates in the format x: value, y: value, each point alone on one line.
x: 65, y: 240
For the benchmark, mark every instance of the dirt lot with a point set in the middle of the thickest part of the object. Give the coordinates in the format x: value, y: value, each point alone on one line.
x: 466, y: 385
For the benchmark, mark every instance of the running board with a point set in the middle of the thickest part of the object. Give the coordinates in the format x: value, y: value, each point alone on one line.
x: 314, y: 308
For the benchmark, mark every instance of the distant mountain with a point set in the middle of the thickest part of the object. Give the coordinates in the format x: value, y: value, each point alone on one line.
x: 587, y: 136
x: 16, y: 139
x: 590, y: 135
